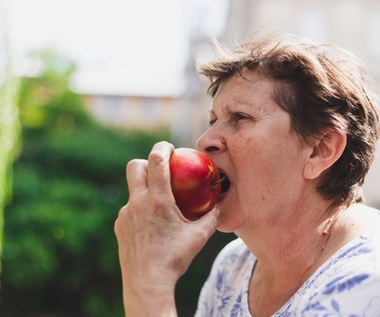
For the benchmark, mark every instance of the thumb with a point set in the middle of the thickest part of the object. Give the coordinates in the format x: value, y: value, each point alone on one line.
x: 208, y: 223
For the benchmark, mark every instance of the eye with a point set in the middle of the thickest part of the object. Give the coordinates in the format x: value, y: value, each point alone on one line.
x: 211, y: 122
x: 241, y: 116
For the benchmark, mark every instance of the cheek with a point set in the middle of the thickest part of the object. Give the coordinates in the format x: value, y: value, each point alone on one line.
x: 262, y: 165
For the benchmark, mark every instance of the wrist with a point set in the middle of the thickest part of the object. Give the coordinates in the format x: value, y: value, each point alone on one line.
x: 149, y: 301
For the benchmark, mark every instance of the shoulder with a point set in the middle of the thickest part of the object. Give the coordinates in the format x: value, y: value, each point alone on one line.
x: 355, y: 263
x: 349, y: 283
x: 362, y: 253
x: 358, y: 263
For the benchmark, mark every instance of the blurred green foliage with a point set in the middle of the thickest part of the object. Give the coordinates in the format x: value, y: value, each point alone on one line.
x: 60, y: 253
x: 9, y: 125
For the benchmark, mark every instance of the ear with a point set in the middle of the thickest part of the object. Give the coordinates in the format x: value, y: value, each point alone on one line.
x: 325, y: 152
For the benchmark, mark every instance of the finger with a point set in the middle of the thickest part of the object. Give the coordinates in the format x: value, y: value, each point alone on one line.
x: 158, y: 168
x: 137, y: 175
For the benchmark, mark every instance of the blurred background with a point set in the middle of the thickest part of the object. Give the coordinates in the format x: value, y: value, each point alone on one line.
x: 86, y: 86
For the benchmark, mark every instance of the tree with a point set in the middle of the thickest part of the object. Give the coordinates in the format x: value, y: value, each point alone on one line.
x: 60, y: 252
x: 9, y: 125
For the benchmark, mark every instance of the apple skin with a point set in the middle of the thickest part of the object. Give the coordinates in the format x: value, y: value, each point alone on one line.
x: 195, y: 182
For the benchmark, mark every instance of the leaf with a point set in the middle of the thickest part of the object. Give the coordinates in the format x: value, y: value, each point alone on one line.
x: 335, y: 305
x: 340, y: 284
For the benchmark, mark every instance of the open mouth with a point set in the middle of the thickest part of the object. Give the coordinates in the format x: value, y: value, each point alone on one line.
x: 225, y: 183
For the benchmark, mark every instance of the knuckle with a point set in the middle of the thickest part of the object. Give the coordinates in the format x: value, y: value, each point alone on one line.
x: 164, y: 143
x: 123, y: 211
x: 120, y: 216
x: 156, y: 158
x: 132, y: 164
x: 116, y: 226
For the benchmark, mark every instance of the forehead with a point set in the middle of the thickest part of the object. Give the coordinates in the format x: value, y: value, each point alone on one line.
x: 249, y: 89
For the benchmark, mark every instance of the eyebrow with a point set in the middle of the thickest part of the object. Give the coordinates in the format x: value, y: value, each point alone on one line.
x: 229, y: 107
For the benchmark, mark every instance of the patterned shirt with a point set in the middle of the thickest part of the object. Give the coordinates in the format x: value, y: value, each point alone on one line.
x: 348, y: 284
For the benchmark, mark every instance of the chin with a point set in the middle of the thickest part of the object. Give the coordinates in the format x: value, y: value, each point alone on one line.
x: 222, y: 230
x: 227, y: 221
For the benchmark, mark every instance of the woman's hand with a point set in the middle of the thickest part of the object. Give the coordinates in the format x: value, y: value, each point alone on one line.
x: 156, y: 242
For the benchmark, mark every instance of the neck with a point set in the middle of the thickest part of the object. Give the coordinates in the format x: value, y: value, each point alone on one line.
x: 280, y: 245
x: 288, y: 252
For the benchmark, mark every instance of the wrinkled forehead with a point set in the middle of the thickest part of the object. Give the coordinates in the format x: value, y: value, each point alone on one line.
x: 246, y: 86
x: 249, y: 92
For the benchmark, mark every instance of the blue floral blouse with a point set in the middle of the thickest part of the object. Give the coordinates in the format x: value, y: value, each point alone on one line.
x: 348, y: 284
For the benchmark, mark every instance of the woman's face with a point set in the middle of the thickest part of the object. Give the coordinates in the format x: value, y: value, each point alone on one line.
x: 251, y: 141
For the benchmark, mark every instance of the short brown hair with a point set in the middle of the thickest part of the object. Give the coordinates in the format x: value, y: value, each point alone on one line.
x: 321, y: 87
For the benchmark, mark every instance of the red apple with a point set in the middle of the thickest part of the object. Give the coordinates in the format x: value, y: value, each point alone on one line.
x: 195, y: 182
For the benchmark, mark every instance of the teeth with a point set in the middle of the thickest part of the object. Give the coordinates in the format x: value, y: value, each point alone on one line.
x: 222, y: 179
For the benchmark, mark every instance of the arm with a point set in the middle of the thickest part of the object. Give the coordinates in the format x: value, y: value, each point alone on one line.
x: 156, y: 242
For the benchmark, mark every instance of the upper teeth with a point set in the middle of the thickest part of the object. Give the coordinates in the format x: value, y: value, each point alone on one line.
x: 222, y: 179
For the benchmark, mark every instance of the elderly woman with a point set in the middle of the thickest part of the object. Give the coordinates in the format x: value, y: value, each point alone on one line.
x: 293, y: 127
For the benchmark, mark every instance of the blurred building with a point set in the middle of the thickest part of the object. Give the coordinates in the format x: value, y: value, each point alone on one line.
x: 133, y: 111
x: 184, y: 114
x: 351, y: 24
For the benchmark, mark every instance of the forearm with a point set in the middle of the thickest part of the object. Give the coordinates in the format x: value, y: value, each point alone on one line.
x: 148, y: 292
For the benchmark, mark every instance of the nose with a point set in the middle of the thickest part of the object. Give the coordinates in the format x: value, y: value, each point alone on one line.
x: 211, y: 141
